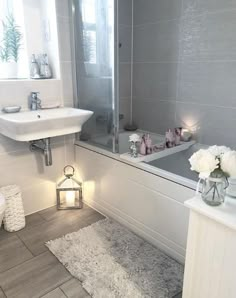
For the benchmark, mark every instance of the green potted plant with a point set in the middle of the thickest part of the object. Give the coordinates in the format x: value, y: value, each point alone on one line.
x: 10, y: 47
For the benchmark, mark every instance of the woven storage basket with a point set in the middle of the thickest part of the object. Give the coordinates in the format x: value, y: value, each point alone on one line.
x: 14, y: 217
x: 2, y: 208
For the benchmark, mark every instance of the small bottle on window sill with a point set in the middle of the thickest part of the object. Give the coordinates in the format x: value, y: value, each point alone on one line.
x: 34, y: 68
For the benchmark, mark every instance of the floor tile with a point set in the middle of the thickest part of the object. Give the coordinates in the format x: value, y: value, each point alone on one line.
x: 74, y: 289
x: 2, y: 294
x: 36, y: 236
x: 34, y: 278
x: 4, y: 234
x: 12, y: 252
x: 57, y: 293
x: 33, y: 219
x: 52, y: 213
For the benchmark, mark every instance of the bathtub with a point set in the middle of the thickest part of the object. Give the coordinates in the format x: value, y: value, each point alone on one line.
x: 104, y: 141
x: 147, y: 196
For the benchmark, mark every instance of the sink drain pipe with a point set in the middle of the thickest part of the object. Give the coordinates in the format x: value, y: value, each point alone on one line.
x: 43, y: 146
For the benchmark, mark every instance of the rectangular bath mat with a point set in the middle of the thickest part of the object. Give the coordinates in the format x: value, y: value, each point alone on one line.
x: 111, y: 261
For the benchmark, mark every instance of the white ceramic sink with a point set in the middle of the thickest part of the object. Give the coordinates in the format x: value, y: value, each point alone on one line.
x: 40, y: 124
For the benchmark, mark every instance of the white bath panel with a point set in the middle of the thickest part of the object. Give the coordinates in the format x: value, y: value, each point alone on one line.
x: 153, y: 206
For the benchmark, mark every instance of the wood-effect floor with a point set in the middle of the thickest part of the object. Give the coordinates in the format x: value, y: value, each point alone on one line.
x: 28, y: 269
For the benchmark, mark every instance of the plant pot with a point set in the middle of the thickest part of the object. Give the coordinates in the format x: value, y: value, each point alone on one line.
x: 8, y: 70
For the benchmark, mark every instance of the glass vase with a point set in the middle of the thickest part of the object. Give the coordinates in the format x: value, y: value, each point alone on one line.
x: 133, y: 149
x: 214, y: 189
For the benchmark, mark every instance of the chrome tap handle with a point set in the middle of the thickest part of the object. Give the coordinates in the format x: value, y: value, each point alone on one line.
x: 34, y: 95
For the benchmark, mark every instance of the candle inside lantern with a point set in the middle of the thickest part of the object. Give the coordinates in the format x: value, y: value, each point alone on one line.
x: 70, y: 198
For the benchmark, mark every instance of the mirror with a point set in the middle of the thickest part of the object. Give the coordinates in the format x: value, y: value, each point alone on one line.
x: 28, y: 39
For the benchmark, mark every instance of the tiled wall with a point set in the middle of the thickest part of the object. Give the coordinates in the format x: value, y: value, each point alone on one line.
x: 17, y: 164
x: 185, y: 67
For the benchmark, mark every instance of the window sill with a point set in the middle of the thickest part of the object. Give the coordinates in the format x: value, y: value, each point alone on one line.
x: 27, y: 80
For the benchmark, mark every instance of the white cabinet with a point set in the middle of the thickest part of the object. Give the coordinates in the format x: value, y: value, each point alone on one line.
x: 210, y: 266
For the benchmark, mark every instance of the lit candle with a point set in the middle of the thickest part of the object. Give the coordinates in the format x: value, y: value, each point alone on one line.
x: 70, y: 198
x: 185, y: 135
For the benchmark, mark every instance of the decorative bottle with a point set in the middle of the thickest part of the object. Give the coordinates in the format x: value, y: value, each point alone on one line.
x: 143, y: 146
x: 45, y: 69
x: 148, y: 144
x: 170, y: 139
x: 34, y: 68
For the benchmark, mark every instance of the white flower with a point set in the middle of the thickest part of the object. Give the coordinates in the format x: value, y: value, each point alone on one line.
x: 218, y: 150
x: 134, y: 138
x: 203, y: 162
x: 228, y: 163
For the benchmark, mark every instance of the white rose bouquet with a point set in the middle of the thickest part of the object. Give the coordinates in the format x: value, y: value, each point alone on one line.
x: 135, y: 138
x: 219, y: 160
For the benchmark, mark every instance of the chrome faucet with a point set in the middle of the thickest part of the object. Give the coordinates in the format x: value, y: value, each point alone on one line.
x: 35, y: 102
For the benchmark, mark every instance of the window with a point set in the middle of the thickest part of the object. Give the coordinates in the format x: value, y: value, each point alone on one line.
x: 13, y: 61
x: 89, y: 31
x: 97, y: 29
x: 33, y: 24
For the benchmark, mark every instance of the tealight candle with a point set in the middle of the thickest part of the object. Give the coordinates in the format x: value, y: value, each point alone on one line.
x: 185, y: 135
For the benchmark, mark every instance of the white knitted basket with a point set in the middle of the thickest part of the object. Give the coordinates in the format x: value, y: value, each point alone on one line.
x: 14, y: 217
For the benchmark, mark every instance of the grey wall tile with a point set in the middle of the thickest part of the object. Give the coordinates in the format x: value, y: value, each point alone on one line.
x: 208, y: 83
x: 125, y: 12
x: 151, y: 11
x: 124, y: 80
x: 203, y: 47
x: 156, y: 42
x: 155, y: 80
x: 208, y: 36
x: 154, y: 116
x: 203, y: 6
x: 125, y: 106
x: 211, y: 125
x: 125, y: 34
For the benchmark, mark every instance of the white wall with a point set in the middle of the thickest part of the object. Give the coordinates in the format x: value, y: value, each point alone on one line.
x: 17, y: 164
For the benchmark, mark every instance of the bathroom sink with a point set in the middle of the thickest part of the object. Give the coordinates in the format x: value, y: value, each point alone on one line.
x: 34, y: 125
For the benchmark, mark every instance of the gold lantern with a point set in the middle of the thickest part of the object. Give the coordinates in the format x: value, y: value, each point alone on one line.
x: 69, y: 191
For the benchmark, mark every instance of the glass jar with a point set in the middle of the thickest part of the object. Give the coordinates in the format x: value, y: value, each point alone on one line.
x: 214, y: 189
x: 133, y: 149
